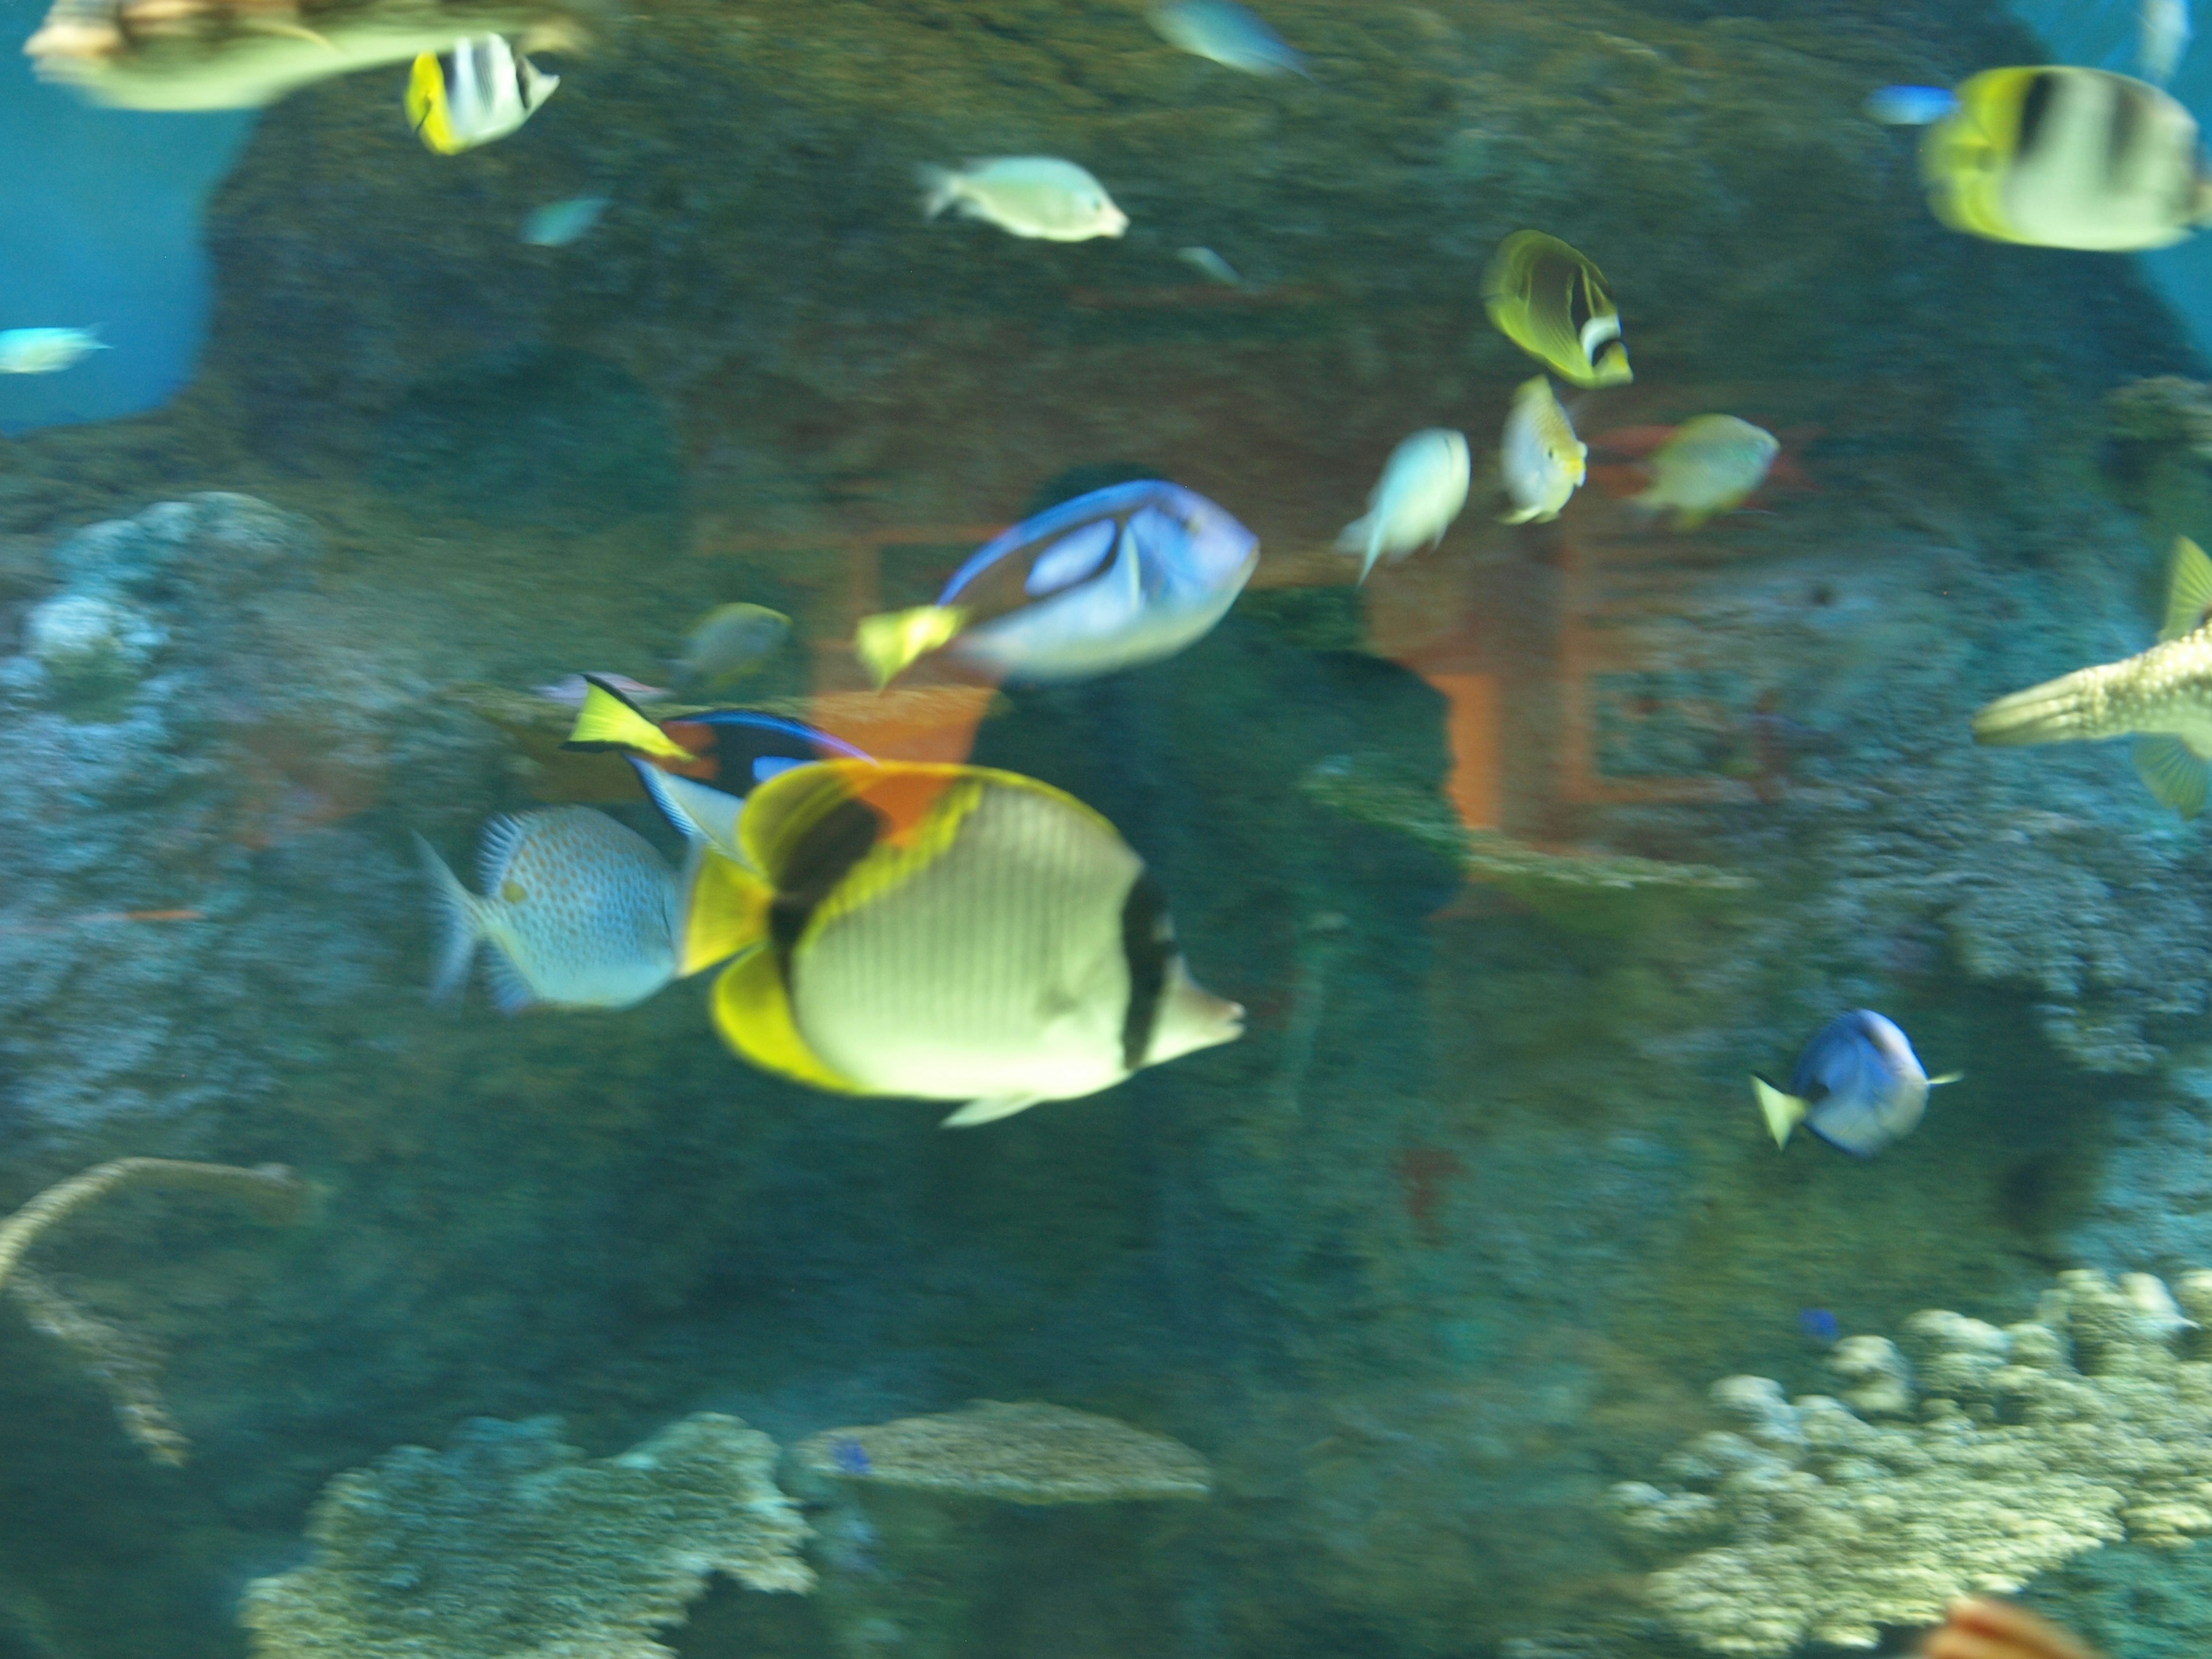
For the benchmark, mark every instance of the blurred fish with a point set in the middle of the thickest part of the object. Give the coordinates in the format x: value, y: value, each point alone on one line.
x: 1226, y: 34
x: 1819, y: 1324
x: 557, y: 224
x: 1034, y: 195
x: 731, y: 642
x: 1123, y: 575
x: 2156, y: 1315
x: 1554, y: 304
x: 46, y: 350
x: 1422, y: 490
x: 1708, y: 465
x: 1542, y: 460
x: 699, y: 769
x: 2163, y: 698
x: 951, y: 932
x: 850, y: 1456
x: 1206, y: 259
x: 2162, y: 35
x: 571, y: 689
x: 2063, y: 157
x: 580, y: 913
x: 480, y: 90
x: 1910, y: 106
x: 1858, y: 1085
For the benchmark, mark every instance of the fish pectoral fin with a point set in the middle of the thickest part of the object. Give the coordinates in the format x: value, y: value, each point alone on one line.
x: 1782, y: 1112
x: 2176, y: 774
x: 1524, y: 516
x: 2189, y: 591
x: 1947, y: 1077
x: 608, y: 719
x: 887, y: 643
x: 990, y: 1109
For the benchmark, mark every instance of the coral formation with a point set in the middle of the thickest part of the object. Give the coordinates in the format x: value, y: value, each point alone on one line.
x: 1029, y: 1453
x: 509, y: 1546
x: 272, y: 1186
x: 2008, y: 1452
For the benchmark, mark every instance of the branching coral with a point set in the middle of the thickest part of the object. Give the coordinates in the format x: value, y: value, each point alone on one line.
x: 1977, y: 1458
x: 126, y: 1364
x: 509, y: 1546
x: 1029, y: 1453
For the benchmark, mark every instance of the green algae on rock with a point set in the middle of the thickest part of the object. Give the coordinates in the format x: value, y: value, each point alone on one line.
x: 1029, y: 1453
x: 509, y: 1546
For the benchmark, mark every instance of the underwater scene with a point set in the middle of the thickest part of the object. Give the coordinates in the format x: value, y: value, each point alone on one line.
x: 1105, y: 829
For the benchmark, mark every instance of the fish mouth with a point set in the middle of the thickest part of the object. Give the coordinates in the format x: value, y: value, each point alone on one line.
x: 1116, y: 223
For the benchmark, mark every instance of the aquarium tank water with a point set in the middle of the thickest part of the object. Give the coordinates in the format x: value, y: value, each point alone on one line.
x: 1105, y: 829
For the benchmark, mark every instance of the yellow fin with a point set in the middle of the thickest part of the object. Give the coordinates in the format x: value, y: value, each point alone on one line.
x: 608, y: 719
x: 725, y: 911
x: 2188, y: 590
x: 2177, y: 773
x: 1947, y: 1077
x: 752, y: 1009
x: 1782, y: 1112
x: 888, y: 642
x: 426, y: 105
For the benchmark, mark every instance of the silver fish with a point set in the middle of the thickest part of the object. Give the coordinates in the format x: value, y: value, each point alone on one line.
x: 1039, y: 196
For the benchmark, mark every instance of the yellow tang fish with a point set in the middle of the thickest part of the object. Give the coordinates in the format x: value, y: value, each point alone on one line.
x: 2066, y: 157
x: 1554, y: 304
x: 950, y: 933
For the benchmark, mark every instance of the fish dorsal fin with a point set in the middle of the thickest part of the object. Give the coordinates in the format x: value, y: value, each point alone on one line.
x: 2177, y: 773
x: 2188, y: 590
x: 695, y: 812
x: 752, y: 1009
x: 608, y: 719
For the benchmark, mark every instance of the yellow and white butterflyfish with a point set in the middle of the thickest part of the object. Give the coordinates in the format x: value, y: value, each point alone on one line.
x: 948, y: 932
x: 482, y: 89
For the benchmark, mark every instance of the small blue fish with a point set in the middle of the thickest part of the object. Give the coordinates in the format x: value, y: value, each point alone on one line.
x: 1224, y: 33
x: 1910, y: 106
x: 850, y: 1456
x: 1819, y: 1324
x: 45, y: 350
x: 559, y: 223
x: 1120, y: 577
x: 1858, y: 1085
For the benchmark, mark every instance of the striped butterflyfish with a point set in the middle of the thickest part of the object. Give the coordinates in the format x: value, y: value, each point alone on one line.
x: 1553, y: 303
x: 699, y: 767
x: 482, y: 89
x: 948, y: 932
x: 2067, y: 157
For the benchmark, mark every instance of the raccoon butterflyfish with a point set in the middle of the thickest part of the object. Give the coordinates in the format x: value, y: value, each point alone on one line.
x: 580, y: 912
x: 948, y: 932
x: 1858, y: 1085
x: 1123, y: 575
x: 699, y: 769
x: 2067, y: 157
x: 1542, y: 460
x: 2162, y: 697
x: 1422, y: 490
x: 1554, y: 304
x: 482, y: 89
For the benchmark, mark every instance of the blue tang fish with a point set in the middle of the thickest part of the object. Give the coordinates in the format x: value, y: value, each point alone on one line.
x: 1910, y: 106
x: 1858, y: 1085
x: 1123, y: 575
x: 1224, y: 33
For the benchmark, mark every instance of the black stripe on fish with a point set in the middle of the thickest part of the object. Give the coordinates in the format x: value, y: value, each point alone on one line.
x: 2128, y: 115
x: 1148, y: 946
x: 1581, y: 307
x: 2034, y: 109
x: 825, y: 856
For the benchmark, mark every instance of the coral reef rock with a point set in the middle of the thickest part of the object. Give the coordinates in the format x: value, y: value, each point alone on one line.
x: 2010, y: 1451
x: 506, y: 1545
x: 1029, y: 1453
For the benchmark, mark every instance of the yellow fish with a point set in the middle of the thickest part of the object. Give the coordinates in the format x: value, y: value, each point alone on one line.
x: 1554, y: 304
x: 482, y: 89
x: 2162, y: 696
x: 950, y: 933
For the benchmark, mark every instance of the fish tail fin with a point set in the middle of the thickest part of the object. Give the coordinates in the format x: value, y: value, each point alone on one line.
x: 2072, y: 708
x: 2179, y: 776
x: 989, y: 1110
x: 889, y: 642
x: 725, y: 912
x: 1782, y: 1112
x: 940, y: 188
x: 462, y: 913
x: 608, y: 719
x: 1363, y: 536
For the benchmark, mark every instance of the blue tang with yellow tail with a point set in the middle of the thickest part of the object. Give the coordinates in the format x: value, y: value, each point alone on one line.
x: 699, y: 769
x: 578, y: 910
x: 1123, y: 575
x: 948, y: 932
x: 1858, y: 1085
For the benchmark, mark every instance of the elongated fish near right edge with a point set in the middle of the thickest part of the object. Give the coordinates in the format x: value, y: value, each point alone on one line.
x: 2162, y: 698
